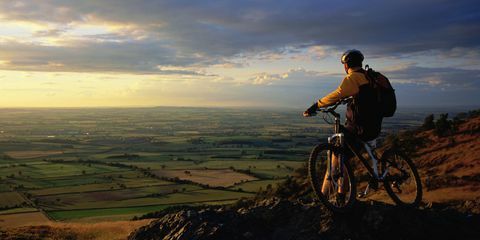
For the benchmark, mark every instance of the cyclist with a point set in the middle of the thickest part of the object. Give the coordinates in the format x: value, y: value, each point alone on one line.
x: 364, y: 124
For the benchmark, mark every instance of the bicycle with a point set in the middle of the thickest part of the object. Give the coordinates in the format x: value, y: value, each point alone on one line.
x: 397, y: 172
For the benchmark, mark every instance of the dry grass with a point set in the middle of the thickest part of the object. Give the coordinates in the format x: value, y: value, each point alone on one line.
x: 32, y: 154
x: 102, y: 230
x: 451, y: 164
x: 216, y: 178
x: 22, y: 219
x: 75, y: 231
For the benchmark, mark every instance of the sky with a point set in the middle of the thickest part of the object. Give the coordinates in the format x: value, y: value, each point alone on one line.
x: 263, y: 53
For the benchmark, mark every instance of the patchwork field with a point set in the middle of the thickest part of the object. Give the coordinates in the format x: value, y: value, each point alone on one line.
x: 211, y: 177
x: 88, y: 165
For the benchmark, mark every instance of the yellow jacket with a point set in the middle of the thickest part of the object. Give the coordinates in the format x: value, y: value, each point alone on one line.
x: 350, y: 86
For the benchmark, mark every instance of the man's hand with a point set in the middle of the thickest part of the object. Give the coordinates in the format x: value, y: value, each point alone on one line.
x: 311, y: 111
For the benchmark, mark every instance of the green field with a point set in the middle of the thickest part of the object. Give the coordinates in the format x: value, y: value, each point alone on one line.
x: 91, y: 164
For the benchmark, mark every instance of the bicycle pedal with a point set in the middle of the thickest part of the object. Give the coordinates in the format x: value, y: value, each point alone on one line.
x: 361, y: 195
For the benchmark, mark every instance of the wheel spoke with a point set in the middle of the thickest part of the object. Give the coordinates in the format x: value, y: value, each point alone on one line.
x: 401, y: 182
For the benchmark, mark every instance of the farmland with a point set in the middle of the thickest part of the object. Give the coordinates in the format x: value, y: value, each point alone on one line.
x: 96, y: 164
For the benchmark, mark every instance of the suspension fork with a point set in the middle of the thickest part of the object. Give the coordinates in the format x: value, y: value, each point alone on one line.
x: 335, y: 170
x: 337, y: 140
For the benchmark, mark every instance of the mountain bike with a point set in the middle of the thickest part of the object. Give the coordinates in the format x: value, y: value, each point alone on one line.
x: 334, y: 182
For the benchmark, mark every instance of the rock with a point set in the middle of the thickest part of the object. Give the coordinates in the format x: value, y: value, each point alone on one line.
x: 284, y: 220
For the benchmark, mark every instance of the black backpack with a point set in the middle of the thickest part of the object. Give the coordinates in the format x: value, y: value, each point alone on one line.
x: 386, y: 99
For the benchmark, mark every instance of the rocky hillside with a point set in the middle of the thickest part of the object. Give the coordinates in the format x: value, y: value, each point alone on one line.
x: 284, y: 219
x: 448, y: 163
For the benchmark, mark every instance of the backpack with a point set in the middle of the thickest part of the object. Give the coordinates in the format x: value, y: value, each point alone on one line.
x: 363, y: 117
x: 386, y: 99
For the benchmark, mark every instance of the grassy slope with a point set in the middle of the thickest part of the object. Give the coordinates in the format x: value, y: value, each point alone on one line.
x: 450, y: 165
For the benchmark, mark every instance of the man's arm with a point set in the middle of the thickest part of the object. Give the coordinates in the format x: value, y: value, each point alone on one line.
x: 347, y: 88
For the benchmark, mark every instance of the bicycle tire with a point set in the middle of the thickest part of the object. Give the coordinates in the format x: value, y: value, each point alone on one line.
x: 388, y: 183
x: 314, y: 179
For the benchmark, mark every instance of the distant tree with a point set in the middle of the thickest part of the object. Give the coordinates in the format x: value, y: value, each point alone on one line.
x: 443, y: 126
x: 428, y: 123
x: 84, y: 172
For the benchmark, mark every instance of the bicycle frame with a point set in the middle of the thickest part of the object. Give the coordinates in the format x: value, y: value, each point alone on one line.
x: 338, y: 140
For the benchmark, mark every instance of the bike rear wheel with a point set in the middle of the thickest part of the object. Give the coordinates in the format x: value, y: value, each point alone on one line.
x: 402, y: 181
x: 330, y: 197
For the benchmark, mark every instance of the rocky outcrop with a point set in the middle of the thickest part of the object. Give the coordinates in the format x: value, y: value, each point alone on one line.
x: 283, y: 219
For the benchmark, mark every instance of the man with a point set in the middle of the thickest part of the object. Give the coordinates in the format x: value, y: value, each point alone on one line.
x: 356, y: 85
x: 363, y: 119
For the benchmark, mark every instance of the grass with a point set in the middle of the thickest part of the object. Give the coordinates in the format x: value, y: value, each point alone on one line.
x: 76, y: 214
x: 254, y: 186
x: 131, y: 183
x: 18, y: 210
x: 216, y: 177
x: 108, y: 198
x: 32, y: 154
x: 10, y: 199
x: 22, y: 219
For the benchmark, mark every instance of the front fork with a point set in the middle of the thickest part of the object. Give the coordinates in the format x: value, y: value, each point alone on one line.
x: 337, y: 140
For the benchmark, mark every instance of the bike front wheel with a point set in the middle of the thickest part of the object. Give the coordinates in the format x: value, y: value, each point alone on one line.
x: 335, y: 188
x: 401, y: 180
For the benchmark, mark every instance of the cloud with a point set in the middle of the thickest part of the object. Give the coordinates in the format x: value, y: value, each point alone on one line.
x: 139, y: 57
x: 298, y: 76
x: 185, y: 33
x: 447, y: 79
x: 266, y: 79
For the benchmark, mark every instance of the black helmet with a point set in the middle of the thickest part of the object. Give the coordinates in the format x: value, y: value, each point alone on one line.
x: 352, y: 57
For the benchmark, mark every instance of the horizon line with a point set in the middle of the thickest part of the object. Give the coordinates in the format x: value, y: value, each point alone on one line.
x: 215, y: 107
